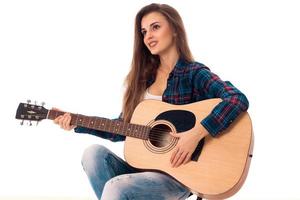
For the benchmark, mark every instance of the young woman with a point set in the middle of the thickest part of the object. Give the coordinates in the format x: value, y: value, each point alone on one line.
x: 163, y: 69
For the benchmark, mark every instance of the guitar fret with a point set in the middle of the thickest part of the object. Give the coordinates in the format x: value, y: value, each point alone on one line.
x: 110, y: 127
x: 136, y: 133
x: 131, y: 131
x: 114, y: 126
x: 100, y: 123
x: 118, y: 127
x: 127, y: 131
x: 83, y: 121
x: 103, y: 123
x: 87, y: 121
x: 135, y: 130
x: 91, y: 123
x: 141, y: 130
x: 128, y: 128
x: 144, y: 131
x: 107, y: 125
x: 123, y: 128
x: 147, y: 132
x: 119, y: 124
x: 79, y: 120
x: 76, y: 121
x: 97, y: 123
x: 94, y: 121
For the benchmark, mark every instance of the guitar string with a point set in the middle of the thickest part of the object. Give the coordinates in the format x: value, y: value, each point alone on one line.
x: 135, y: 125
x: 157, y: 133
x: 156, y: 129
x: 44, y: 116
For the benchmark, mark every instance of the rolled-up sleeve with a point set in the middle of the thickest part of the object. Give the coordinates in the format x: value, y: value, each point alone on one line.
x: 234, y: 101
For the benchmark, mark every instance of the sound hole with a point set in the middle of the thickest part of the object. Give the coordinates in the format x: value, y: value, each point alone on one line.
x: 159, y: 135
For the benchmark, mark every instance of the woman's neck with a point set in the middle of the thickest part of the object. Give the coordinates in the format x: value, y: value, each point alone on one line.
x: 168, y: 61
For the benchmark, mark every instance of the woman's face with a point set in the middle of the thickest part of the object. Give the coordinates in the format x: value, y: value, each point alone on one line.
x: 158, y: 34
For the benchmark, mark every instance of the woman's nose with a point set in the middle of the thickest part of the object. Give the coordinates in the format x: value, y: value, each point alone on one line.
x: 148, y: 35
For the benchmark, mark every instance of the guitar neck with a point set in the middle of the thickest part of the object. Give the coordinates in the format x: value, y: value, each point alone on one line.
x: 103, y: 124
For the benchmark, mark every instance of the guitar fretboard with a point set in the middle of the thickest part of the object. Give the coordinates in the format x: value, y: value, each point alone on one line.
x: 103, y: 124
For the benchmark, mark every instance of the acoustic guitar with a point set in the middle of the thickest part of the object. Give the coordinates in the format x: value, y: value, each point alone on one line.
x: 219, y: 165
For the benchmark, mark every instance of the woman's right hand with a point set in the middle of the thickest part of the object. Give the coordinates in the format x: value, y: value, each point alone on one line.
x: 64, y: 121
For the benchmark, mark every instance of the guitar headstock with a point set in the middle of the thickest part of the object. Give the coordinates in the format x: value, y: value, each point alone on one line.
x: 27, y: 111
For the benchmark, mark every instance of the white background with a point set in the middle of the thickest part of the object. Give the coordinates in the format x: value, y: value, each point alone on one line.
x: 74, y: 55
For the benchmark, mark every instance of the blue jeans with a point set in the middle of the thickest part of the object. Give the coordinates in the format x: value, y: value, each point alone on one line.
x: 113, y: 179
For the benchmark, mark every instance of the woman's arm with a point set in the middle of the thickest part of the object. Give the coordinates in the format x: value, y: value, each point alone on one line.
x: 105, y: 135
x: 234, y: 101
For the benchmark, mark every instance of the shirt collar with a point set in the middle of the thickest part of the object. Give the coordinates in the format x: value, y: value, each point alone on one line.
x: 181, y: 63
x: 180, y: 66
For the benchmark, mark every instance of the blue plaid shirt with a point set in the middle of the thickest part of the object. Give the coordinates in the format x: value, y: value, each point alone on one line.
x: 191, y: 82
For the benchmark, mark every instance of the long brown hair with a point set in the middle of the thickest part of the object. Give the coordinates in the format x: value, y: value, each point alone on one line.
x: 144, y: 65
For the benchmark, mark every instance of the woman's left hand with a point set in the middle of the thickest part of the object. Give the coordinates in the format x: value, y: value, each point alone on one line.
x: 186, y: 145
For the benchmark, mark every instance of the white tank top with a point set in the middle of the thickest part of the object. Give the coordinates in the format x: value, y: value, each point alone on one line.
x: 151, y: 96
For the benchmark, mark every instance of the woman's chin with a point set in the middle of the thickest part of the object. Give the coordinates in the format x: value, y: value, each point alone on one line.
x: 154, y: 52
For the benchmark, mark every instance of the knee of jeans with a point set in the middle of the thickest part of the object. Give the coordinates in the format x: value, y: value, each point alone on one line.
x: 93, y: 156
x: 118, y: 188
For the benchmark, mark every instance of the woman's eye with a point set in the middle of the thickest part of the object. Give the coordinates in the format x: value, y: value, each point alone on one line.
x: 156, y: 26
x: 143, y: 33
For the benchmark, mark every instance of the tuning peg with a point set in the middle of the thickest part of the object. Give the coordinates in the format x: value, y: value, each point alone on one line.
x: 29, y: 123
x: 22, y: 122
x: 43, y: 103
x: 37, y: 123
x: 28, y: 101
x: 35, y: 102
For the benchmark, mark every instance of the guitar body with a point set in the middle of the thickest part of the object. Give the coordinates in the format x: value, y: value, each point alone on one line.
x: 219, y: 165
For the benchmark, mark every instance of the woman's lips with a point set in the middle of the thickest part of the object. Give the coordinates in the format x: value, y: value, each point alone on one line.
x: 152, y: 44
